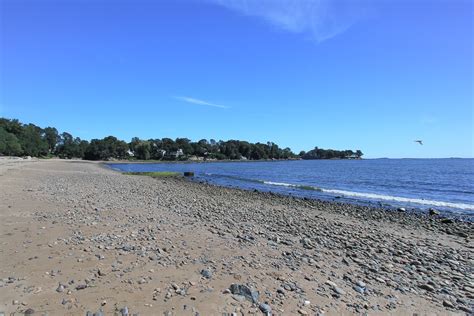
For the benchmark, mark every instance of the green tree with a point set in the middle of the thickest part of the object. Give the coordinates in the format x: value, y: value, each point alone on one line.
x: 9, y: 144
x: 31, y: 141
x: 142, y: 150
x: 52, y: 138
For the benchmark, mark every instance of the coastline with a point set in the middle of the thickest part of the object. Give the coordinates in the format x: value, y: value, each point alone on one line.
x: 166, y: 231
x: 328, y: 193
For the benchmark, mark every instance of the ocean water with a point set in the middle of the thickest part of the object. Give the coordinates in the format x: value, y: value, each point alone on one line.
x: 444, y: 184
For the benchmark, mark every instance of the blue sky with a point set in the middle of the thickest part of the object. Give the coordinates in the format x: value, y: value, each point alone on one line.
x: 369, y: 75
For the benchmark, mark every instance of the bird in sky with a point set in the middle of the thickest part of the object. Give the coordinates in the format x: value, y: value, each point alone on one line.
x: 419, y: 142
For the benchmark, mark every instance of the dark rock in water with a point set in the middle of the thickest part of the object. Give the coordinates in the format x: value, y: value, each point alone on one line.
x: 189, y: 174
x: 29, y: 311
x: 265, y: 308
x: 433, y: 212
x: 240, y: 289
x: 206, y: 273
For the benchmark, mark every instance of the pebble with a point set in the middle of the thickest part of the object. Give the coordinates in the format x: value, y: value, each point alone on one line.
x: 448, y: 304
x: 426, y: 287
x: 206, y: 273
x: 60, y: 288
x: 339, y: 291
x: 265, y: 308
x: 245, y: 291
x: 359, y: 289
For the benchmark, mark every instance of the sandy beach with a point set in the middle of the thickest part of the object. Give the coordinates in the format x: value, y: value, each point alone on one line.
x: 77, y: 237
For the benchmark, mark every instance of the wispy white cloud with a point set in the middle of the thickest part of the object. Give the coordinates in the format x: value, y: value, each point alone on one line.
x: 321, y: 19
x: 201, y: 102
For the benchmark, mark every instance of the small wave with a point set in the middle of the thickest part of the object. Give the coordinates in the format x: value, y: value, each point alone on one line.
x: 374, y: 196
x: 302, y: 187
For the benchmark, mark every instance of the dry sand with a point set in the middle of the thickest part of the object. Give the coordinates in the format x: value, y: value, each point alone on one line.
x: 78, y: 237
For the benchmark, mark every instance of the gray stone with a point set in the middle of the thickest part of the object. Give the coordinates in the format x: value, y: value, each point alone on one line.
x: 60, y: 288
x: 206, y: 273
x: 265, y: 308
x: 339, y: 291
x: 448, y: 304
x: 124, y: 311
x: 240, y: 289
x: 426, y: 287
x: 359, y: 289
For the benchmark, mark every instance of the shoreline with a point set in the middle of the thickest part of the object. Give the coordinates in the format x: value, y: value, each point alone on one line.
x: 443, y: 213
x: 144, y: 243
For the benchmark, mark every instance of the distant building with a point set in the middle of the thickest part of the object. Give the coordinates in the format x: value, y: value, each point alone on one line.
x: 175, y: 154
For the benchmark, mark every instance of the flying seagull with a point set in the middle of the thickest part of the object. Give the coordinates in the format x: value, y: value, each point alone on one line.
x: 419, y: 142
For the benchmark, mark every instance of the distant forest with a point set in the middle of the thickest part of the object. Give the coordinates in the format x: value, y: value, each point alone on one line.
x: 18, y: 139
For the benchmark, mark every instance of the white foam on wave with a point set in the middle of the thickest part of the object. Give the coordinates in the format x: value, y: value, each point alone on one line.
x: 282, y: 184
x: 374, y: 196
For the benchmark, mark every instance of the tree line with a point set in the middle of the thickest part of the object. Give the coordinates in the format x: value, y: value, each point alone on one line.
x: 18, y: 139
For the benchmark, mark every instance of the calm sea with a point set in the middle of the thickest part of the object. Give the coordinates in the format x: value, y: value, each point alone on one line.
x: 443, y: 184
